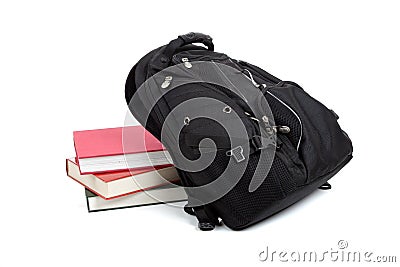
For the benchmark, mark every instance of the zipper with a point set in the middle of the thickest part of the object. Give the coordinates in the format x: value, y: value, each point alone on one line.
x: 285, y: 129
x: 262, y: 75
x: 297, y: 116
x: 176, y: 58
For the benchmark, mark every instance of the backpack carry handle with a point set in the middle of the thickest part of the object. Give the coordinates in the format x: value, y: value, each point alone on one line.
x: 189, y: 38
x: 196, y: 37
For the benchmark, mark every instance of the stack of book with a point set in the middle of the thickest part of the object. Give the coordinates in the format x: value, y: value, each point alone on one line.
x: 123, y: 167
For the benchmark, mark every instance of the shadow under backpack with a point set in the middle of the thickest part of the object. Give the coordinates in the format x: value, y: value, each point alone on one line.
x: 310, y: 147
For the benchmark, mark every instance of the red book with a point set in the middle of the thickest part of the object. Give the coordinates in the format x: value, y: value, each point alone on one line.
x: 117, y: 184
x: 115, y: 149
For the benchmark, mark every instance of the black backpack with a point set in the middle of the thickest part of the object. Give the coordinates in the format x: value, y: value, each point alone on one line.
x: 291, y: 144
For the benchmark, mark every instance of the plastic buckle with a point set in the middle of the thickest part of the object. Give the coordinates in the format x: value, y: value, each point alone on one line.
x: 206, y: 226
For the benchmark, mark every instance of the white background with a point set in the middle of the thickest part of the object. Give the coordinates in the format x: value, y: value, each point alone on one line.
x: 63, y: 67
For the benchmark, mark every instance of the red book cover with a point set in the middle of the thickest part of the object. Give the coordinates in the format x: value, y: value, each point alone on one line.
x: 108, y: 142
x: 116, y: 149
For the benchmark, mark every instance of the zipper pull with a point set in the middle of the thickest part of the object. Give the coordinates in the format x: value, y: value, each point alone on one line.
x: 167, y: 82
x: 279, y: 128
x: 283, y: 129
x: 186, y: 62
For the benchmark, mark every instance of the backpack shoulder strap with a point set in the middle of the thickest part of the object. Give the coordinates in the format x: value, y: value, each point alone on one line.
x: 206, y: 217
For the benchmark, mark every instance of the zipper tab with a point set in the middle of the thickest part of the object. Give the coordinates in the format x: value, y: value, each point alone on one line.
x: 186, y: 62
x: 283, y: 129
x: 280, y: 128
x: 167, y: 82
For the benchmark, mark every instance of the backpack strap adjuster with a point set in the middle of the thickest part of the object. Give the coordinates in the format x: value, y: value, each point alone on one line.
x: 206, y: 226
x: 206, y: 217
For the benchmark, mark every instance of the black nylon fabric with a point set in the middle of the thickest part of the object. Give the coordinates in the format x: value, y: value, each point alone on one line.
x: 307, y: 156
